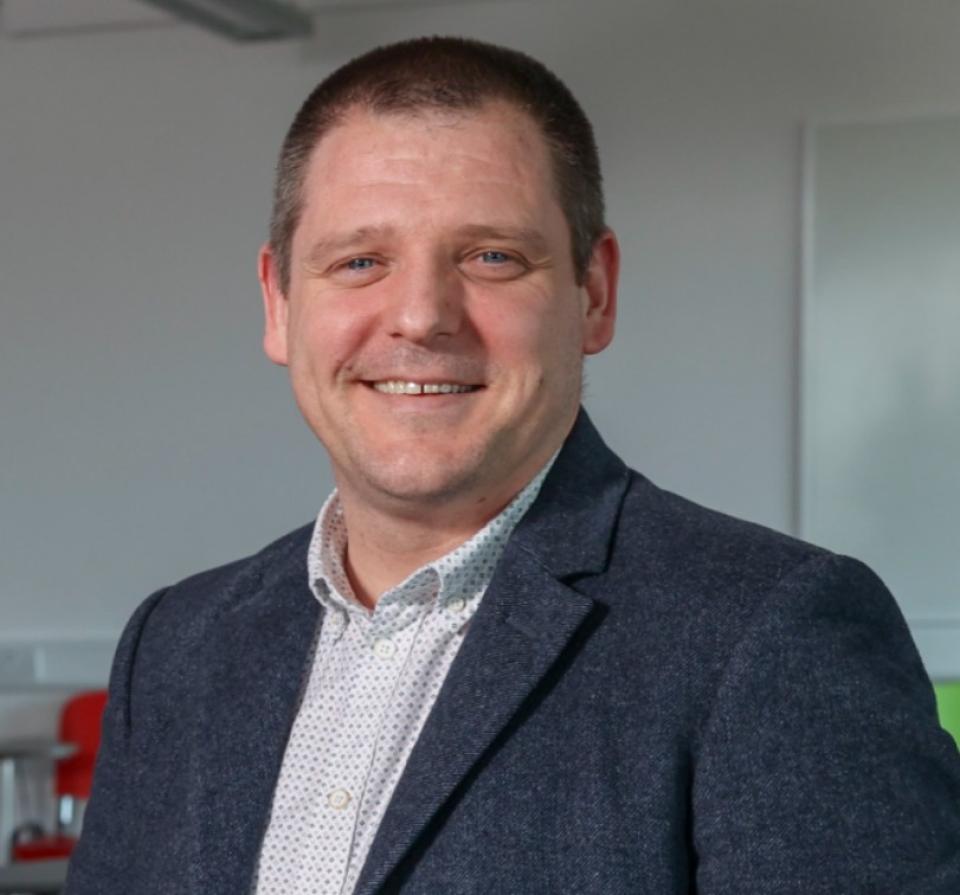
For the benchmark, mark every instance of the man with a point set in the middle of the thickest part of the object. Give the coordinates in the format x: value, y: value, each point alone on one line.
x: 500, y: 662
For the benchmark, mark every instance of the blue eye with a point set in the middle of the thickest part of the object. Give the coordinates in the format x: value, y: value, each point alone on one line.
x: 495, y: 257
x: 360, y: 263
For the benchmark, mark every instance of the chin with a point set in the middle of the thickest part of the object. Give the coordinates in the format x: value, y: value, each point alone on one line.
x: 421, y: 490
x: 420, y: 477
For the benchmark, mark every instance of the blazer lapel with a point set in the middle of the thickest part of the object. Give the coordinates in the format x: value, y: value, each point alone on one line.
x: 523, y: 624
x: 257, y: 666
x: 519, y: 630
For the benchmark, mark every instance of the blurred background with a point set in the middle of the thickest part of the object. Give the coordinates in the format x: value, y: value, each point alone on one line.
x: 787, y: 346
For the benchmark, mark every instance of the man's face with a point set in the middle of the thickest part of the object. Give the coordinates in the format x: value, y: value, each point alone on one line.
x: 433, y: 326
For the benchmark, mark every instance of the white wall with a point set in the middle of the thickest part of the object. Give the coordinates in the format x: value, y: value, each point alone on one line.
x: 145, y: 437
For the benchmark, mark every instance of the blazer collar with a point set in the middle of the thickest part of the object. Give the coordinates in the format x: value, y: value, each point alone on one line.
x: 570, y: 526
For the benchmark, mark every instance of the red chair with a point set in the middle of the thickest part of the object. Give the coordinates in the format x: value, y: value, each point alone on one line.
x: 80, y: 726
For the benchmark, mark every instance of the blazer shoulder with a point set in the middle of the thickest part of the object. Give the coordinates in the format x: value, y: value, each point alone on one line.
x: 712, y: 580
x: 702, y: 543
x: 220, y: 582
x: 702, y: 567
x: 175, y: 618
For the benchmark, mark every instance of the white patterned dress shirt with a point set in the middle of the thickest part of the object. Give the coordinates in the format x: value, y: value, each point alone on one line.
x: 374, y: 679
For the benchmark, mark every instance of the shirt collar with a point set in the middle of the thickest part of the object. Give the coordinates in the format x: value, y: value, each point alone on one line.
x: 461, y: 574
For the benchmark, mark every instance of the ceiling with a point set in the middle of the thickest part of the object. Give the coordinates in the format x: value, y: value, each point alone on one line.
x: 35, y: 18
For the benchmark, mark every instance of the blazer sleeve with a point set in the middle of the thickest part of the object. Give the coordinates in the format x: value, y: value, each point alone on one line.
x: 822, y: 768
x: 99, y: 861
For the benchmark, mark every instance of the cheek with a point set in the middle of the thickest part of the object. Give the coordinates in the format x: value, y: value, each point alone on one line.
x: 524, y: 325
x: 324, y: 339
x: 545, y: 337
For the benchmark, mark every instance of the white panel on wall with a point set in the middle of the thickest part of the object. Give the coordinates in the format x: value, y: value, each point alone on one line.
x: 881, y: 363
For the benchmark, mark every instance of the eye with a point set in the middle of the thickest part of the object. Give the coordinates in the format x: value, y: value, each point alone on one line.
x: 360, y: 270
x: 495, y: 264
x: 360, y: 264
x: 492, y: 256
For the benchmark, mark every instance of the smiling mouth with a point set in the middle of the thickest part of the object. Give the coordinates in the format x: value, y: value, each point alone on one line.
x: 404, y: 387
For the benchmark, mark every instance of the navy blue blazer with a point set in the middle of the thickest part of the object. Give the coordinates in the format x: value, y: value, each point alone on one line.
x: 652, y: 698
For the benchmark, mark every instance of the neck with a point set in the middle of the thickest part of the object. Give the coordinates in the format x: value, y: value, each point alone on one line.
x: 384, y: 548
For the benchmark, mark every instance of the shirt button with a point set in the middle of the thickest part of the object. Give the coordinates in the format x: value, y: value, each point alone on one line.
x: 384, y: 648
x: 338, y: 799
x: 457, y: 604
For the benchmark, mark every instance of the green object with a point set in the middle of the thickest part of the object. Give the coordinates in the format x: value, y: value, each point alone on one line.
x: 948, y: 707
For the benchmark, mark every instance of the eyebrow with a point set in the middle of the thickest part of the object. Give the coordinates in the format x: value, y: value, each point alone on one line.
x: 528, y: 236
x: 336, y: 243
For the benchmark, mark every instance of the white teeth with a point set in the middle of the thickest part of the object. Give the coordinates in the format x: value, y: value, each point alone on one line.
x: 398, y: 387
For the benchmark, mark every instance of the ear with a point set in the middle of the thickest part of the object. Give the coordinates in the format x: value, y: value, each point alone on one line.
x: 600, y: 293
x: 275, y: 307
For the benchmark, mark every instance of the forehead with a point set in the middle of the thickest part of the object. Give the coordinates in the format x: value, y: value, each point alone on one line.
x: 495, y: 144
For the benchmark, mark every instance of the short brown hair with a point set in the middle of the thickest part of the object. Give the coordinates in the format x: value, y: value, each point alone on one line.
x: 446, y: 73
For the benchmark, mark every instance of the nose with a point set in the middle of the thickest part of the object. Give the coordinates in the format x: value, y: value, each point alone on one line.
x: 426, y: 304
